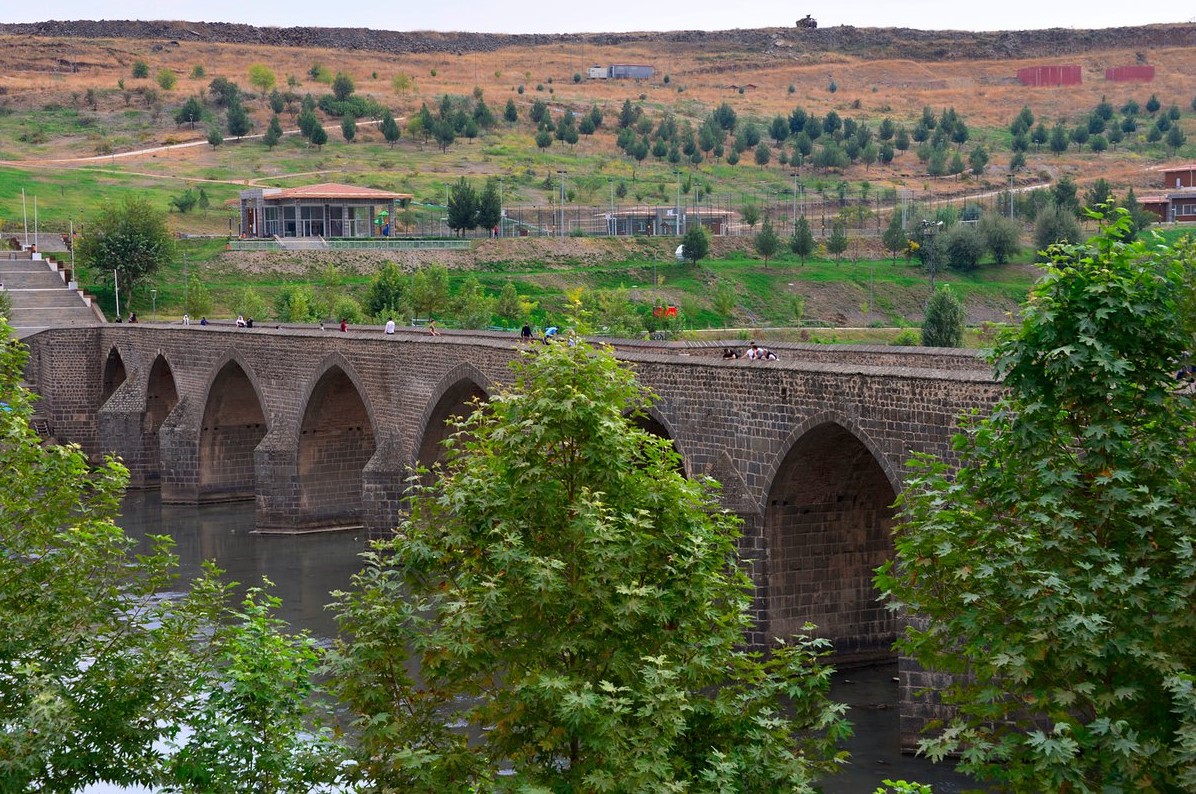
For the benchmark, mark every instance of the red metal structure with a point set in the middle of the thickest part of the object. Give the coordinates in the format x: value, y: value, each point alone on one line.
x: 1049, y: 75
x: 1130, y: 74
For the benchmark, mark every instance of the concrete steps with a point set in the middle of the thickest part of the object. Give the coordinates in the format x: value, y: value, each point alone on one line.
x: 40, y: 296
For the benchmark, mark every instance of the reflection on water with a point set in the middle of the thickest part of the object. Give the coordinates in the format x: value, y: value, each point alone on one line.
x: 305, y: 568
x: 871, y: 695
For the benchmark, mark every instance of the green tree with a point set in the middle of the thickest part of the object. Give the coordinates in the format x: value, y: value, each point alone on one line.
x: 489, y: 208
x: 318, y: 136
x: 277, y: 101
x: 140, y: 70
x: 430, y: 290
x: 224, y: 92
x: 1002, y: 236
x: 510, y: 113
x: 508, y: 306
x: 1058, y: 140
x: 1175, y: 138
x: 963, y: 245
x: 198, y: 301
x: 763, y: 153
x: 387, y: 294
x: 253, y: 726
x: 239, y: 123
x: 294, y: 303
x: 342, y: 86
x: 977, y: 160
x: 390, y: 128
x: 750, y: 213
x: 273, y: 133
x: 695, y: 244
x: 543, y: 139
x: 767, y: 242
x: 724, y: 300
x: 215, y: 138
x: 894, y: 238
x: 250, y: 304
x: 802, y: 241
x: 190, y: 112
x: 472, y: 307
x: 584, y: 593
x: 261, y: 77
x: 943, y: 324
x: 1055, y: 225
x: 1053, y: 568
x: 185, y: 201
x: 349, y: 127
x: 837, y: 243
x: 166, y: 79
x: 462, y: 207
x: 131, y: 238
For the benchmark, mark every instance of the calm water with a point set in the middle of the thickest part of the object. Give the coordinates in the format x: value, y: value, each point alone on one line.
x: 305, y: 568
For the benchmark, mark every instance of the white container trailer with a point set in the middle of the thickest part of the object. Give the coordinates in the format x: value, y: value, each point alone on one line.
x: 598, y: 73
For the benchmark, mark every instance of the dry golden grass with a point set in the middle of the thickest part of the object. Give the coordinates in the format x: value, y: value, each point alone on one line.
x: 35, y: 72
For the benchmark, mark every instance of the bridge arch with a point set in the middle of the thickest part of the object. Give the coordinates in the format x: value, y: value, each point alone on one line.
x: 337, y: 438
x: 654, y: 422
x: 234, y: 423
x: 161, y: 397
x: 114, y: 374
x: 827, y: 523
x: 450, y: 399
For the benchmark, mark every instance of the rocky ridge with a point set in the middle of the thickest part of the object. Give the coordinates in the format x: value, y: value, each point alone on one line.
x: 921, y: 45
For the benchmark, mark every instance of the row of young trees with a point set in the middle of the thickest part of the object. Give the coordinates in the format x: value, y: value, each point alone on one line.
x: 1101, y: 129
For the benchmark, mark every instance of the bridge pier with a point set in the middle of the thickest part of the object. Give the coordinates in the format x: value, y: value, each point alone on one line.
x: 119, y: 433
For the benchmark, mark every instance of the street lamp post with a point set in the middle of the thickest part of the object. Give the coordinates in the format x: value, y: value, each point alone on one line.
x: 795, y: 202
x: 562, y: 175
x: 929, y: 230
x: 154, y: 300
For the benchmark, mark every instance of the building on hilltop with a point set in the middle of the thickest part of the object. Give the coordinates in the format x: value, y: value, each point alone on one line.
x: 621, y: 71
x: 325, y: 210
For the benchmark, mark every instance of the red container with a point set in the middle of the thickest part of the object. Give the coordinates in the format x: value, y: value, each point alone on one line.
x: 1129, y: 74
x: 1049, y: 75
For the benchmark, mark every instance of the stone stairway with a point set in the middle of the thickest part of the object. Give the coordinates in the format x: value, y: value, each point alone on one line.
x: 41, y: 296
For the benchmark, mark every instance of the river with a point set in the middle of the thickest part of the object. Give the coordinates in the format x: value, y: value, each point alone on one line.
x: 305, y: 568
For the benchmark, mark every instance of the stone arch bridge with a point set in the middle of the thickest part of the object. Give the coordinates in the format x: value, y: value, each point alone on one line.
x: 319, y: 427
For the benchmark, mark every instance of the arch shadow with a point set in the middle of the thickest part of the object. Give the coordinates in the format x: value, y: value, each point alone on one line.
x: 451, y: 399
x: 161, y: 398
x: 234, y: 423
x: 828, y: 519
x: 337, y: 437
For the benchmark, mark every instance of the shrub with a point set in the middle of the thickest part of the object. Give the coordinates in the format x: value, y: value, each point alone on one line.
x: 964, y: 246
x: 140, y: 70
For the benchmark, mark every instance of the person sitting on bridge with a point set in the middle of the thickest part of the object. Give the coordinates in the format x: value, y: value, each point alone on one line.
x: 240, y: 321
x: 132, y: 317
x: 344, y: 325
x: 432, y: 328
x: 249, y: 323
x: 203, y: 320
x: 752, y: 353
x: 730, y: 352
x: 526, y: 332
x: 390, y: 326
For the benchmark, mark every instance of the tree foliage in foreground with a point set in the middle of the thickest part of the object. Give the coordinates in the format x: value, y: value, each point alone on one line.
x: 1055, y: 570
x: 100, y: 676
x: 568, y: 595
